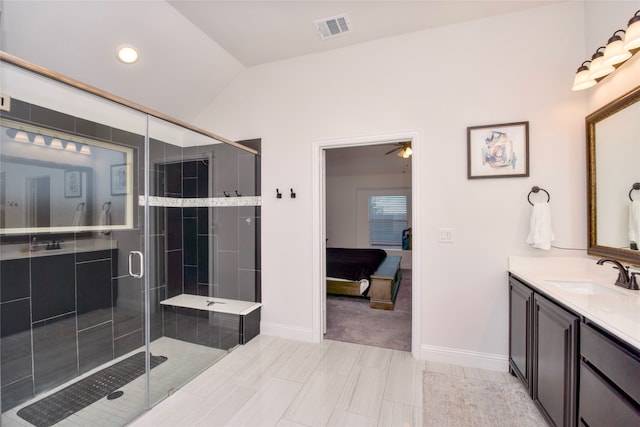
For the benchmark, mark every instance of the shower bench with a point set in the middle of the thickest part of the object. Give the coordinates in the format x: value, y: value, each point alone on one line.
x: 221, y: 323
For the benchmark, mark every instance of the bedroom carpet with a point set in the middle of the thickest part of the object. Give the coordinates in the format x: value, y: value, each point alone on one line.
x: 456, y: 401
x: 350, y: 319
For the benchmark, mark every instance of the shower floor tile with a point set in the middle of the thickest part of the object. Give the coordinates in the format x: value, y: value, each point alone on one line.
x: 184, y: 362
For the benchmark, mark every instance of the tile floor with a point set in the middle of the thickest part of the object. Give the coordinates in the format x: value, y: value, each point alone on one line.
x: 276, y: 382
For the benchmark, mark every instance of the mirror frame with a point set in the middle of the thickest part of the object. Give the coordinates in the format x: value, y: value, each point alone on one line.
x: 591, y: 120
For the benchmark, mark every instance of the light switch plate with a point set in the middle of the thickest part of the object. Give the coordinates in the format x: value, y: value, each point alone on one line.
x: 446, y: 235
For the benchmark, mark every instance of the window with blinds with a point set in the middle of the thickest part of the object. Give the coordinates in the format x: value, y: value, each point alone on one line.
x: 387, y: 220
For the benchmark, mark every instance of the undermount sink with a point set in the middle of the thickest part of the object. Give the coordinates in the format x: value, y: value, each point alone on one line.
x: 583, y: 287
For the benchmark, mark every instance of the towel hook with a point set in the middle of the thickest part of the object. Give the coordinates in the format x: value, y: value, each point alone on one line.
x: 635, y: 186
x: 536, y: 189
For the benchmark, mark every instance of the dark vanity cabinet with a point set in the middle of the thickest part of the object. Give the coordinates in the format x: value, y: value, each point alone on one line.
x: 555, y: 346
x: 609, y: 387
x: 520, y: 337
x: 543, y: 349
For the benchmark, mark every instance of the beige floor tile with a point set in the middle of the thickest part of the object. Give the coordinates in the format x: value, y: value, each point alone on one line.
x: 363, y: 391
x: 346, y: 419
x: 340, y: 358
x: 315, y: 402
x: 301, y: 363
x: 404, y: 381
x: 375, y: 357
x: 268, y: 405
x: 399, y: 414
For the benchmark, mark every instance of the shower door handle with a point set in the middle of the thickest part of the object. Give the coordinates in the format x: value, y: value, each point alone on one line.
x: 141, y: 257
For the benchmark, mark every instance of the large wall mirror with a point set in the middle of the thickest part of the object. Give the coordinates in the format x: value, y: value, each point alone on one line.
x: 613, y: 155
x: 55, y: 182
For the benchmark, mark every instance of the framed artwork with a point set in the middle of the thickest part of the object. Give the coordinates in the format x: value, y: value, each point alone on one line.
x: 72, y: 184
x: 498, y: 151
x: 118, y: 179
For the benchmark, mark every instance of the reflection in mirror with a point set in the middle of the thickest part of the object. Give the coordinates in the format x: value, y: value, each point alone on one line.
x: 613, y: 136
x: 51, y: 181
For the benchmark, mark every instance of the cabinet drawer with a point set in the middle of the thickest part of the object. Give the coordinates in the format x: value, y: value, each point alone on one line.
x: 601, y: 405
x: 614, y: 361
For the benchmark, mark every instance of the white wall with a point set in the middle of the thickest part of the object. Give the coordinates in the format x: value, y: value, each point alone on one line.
x: 436, y: 83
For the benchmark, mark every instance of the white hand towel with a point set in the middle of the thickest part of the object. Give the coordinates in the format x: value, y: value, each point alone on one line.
x: 634, y: 221
x: 540, y: 231
x: 78, y: 218
x: 105, y: 221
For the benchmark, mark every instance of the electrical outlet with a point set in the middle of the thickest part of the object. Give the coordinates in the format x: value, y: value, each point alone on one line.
x: 446, y: 235
x: 5, y: 102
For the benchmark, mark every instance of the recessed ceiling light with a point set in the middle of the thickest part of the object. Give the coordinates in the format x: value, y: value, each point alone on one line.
x: 127, y: 54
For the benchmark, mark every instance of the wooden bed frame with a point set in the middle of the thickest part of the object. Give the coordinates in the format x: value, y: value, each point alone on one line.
x: 383, y: 288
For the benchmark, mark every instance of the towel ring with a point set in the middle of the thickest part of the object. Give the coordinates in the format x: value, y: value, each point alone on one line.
x: 536, y: 189
x: 636, y: 186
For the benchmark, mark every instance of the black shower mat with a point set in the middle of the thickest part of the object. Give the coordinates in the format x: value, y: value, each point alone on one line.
x: 58, y: 406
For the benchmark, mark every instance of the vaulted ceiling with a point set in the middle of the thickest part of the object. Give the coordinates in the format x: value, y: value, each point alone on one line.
x: 191, y: 50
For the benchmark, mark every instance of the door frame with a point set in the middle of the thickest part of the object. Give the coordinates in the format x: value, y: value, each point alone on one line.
x: 319, y: 227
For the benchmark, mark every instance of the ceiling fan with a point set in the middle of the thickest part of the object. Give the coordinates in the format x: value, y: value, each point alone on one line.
x: 403, y: 149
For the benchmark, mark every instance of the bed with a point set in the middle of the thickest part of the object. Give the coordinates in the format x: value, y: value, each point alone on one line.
x: 364, y: 272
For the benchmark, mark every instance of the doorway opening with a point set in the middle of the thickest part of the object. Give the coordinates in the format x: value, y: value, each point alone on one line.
x: 331, y: 157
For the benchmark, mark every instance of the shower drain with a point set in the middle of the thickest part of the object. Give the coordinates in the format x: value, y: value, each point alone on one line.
x: 115, y: 395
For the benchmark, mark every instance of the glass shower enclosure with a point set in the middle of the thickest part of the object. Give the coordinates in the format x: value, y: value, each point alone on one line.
x: 129, y: 251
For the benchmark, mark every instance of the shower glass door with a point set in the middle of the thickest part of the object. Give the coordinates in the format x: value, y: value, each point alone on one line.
x: 73, y: 256
x: 129, y: 251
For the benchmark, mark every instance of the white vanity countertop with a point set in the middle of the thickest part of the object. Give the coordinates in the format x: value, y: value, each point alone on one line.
x: 617, y: 312
x: 17, y: 251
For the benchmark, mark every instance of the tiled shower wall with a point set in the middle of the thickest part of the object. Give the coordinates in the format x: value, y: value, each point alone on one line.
x: 210, y: 251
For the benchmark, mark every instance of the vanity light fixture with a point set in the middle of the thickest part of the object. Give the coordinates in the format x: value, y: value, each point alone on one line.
x: 48, y: 142
x: 598, y: 69
x: 615, y: 53
x: 21, y: 136
x: 621, y: 46
x: 39, y: 140
x: 56, y: 143
x: 127, y: 54
x: 632, y: 35
x: 582, y: 79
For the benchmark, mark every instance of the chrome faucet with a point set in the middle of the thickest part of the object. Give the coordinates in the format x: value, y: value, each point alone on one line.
x: 625, y: 280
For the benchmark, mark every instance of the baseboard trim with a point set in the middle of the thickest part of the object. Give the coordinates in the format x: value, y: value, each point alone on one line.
x: 286, y: 332
x: 494, y: 362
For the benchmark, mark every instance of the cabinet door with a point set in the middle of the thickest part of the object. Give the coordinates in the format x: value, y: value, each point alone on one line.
x: 555, y: 362
x: 520, y: 299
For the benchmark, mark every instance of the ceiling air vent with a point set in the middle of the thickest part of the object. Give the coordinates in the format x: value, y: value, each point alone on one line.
x: 334, y: 26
